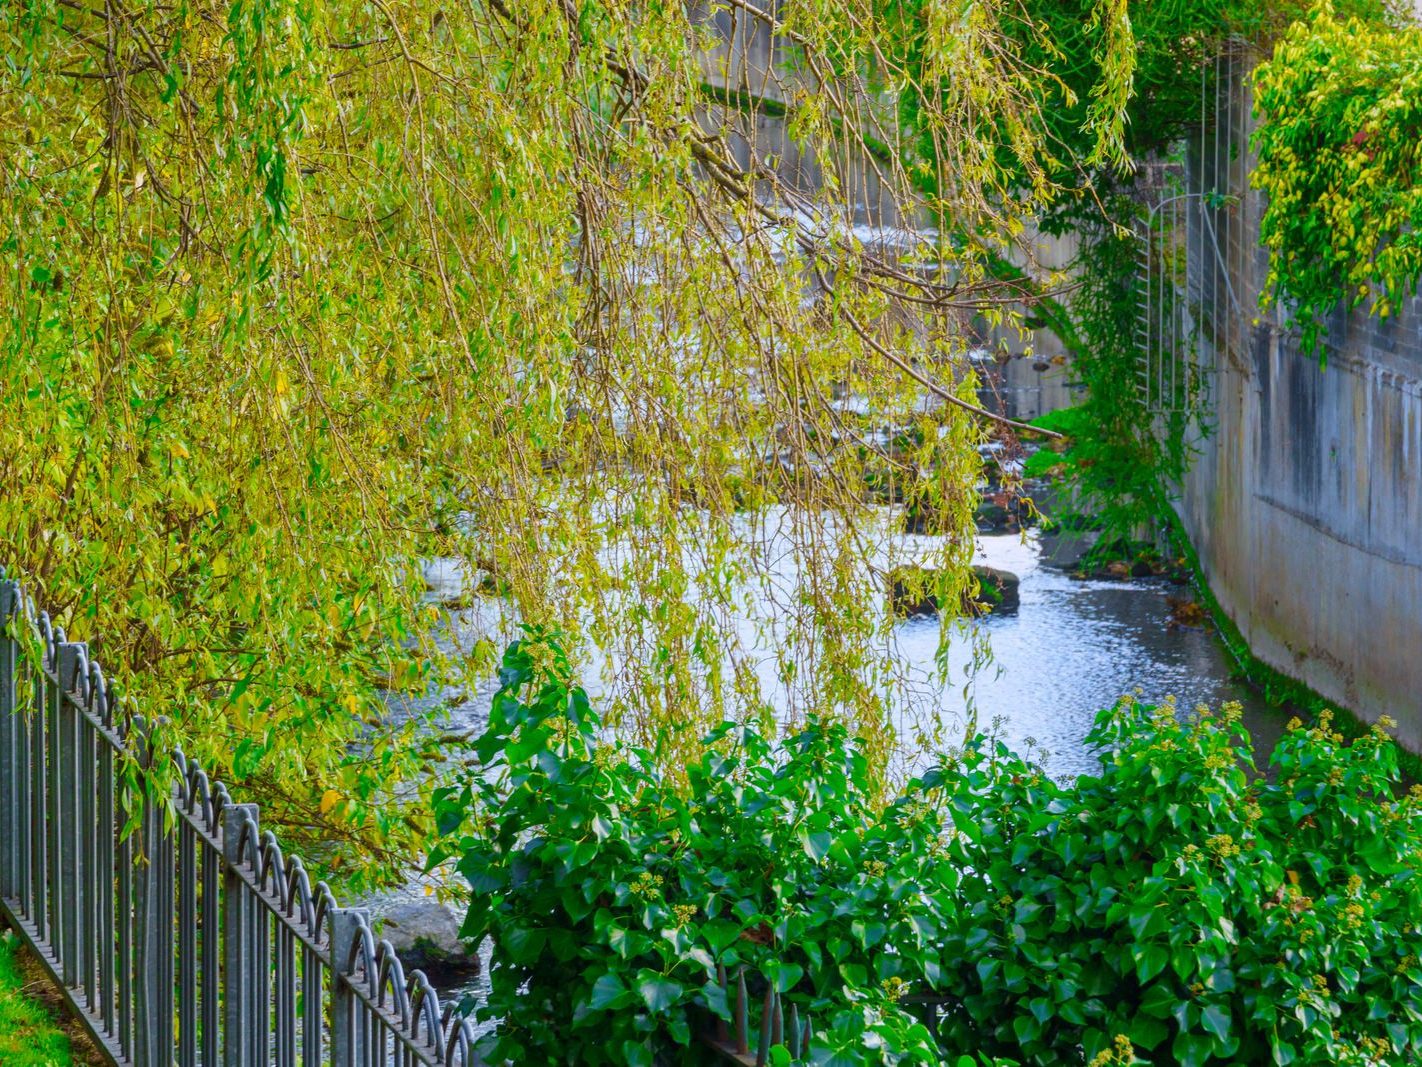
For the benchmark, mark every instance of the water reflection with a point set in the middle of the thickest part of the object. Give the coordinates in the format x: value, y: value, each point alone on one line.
x: 1075, y: 647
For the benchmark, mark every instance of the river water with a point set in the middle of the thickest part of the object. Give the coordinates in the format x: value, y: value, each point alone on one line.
x: 1074, y: 647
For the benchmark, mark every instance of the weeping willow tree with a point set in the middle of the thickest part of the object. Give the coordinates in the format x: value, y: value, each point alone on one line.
x: 301, y: 293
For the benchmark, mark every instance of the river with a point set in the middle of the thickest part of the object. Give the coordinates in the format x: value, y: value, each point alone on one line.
x: 1074, y: 647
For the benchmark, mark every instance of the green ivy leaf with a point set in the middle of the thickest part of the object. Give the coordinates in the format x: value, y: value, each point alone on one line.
x: 608, y: 992
x: 657, y: 991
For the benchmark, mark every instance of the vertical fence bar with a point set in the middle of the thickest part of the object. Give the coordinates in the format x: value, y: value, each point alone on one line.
x: 1152, y: 342
x: 285, y: 996
x: 153, y: 939
x: 1167, y: 309
x: 109, y: 827
x: 165, y: 1010
x: 261, y: 984
x: 25, y: 777
x: 90, y: 832
x: 1158, y: 267
x: 1227, y: 226
x: 1221, y: 323
x: 238, y: 1009
x: 9, y: 750
x: 54, y: 807
x: 39, y: 811
x: 124, y: 917
x: 767, y: 1012
x: 347, y: 1048
x: 68, y: 862
x: 742, y: 1012
x: 187, y: 1049
x: 66, y: 840
x: 211, y: 950
x: 311, y: 1008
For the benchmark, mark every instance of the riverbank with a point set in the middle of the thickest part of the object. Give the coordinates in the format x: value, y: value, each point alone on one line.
x: 1274, y: 687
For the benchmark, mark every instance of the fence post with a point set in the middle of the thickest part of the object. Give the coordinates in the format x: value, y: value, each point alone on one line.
x: 10, y: 806
x: 239, y: 920
x: 69, y: 661
x: 153, y: 940
x: 346, y: 925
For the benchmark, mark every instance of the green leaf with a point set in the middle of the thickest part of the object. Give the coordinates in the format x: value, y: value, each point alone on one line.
x: 1215, y: 1018
x: 782, y: 976
x: 637, y: 1054
x: 1150, y: 962
x: 657, y: 991
x: 816, y: 845
x: 608, y: 991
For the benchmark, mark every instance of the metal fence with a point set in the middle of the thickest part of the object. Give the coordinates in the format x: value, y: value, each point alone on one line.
x: 1171, y: 378
x: 1190, y: 239
x: 731, y: 1040
x: 195, y: 942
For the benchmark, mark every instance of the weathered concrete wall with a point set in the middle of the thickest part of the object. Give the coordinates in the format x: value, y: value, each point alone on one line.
x: 1032, y: 375
x: 1305, y: 498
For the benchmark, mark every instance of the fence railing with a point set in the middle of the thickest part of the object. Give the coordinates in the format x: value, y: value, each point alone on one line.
x: 1189, y: 312
x: 192, y: 943
x: 732, y: 1040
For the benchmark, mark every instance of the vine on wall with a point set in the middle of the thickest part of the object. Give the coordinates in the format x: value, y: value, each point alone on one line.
x: 1116, y: 462
x: 1339, y: 156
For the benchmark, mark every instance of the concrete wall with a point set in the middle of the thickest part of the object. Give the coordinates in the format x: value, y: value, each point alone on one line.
x: 1305, y: 498
x: 1030, y: 375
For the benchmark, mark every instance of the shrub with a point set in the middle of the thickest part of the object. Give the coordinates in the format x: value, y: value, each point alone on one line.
x: 610, y: 897
x: 1211, y: 914
x: 1179, y: 902
x: 1337, y: 157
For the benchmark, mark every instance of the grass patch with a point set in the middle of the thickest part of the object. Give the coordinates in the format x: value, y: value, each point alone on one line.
x: 30, y: 1035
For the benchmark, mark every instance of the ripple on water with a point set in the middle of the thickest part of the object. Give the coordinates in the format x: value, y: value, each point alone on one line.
x: 1076, y: 647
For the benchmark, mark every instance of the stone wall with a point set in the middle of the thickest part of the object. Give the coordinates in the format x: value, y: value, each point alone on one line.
x: 1305, y: 498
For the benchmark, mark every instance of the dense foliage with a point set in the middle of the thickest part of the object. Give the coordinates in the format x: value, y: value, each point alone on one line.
x: 1123, y: 462
x: 1213, y: 915
x: 1179, y: 903
x: 1339, y: 159
x: 1174, y: 44
x: 610, y: 897
x: 1118, y: 459
x: 301, y: 292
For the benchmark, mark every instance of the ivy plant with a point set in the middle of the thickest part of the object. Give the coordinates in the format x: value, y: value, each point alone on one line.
x: 1338, y: 158
x: 612, y: 898
x: 1212, y: 913
x: 1180, y: 907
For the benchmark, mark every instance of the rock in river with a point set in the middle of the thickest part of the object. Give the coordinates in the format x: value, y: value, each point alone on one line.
x: 998, y: 590
x: 425, y: 933
x: 912, y: 592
